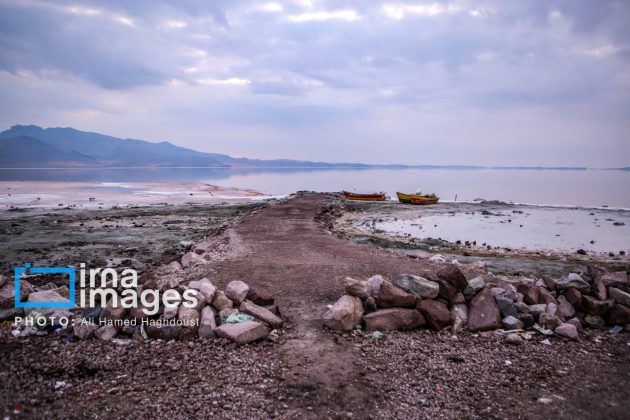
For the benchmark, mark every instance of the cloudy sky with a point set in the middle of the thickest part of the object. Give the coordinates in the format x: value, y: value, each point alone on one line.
x: 456, y: 82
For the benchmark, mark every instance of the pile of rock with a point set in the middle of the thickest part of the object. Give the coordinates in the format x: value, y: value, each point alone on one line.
x: 481, y: 302
x: 240, y: 313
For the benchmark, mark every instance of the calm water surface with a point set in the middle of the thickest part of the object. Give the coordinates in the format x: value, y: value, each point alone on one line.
x: 562, y: 187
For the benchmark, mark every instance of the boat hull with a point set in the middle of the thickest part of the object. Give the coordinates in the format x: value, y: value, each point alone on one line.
x: 416, y: 199
x: 363, y: 197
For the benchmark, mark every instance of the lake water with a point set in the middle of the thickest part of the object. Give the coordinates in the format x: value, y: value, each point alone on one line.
x: 562, y: 187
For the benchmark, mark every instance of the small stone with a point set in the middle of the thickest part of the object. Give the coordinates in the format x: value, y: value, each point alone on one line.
x: 474, y: 286
x: 616, y: 279
x: 83, y: 328
x: 105, y: 333
x: 549, y: 321
x: 595, y: 322
x: 514, y: 339
x: 574, y: 297
x: 191, y: 259
x: 567, y: 330
x: 188, y: 316
x: 565, y: 309
x: 527, y: 320
x: 459, y: 315
x: 619, y: 315
x: 512, y: 323
x: 537, y: 310
x: 530, y: 293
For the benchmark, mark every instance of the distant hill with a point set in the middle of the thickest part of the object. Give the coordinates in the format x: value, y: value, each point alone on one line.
x: 29, y: 152
x: 95, y: 149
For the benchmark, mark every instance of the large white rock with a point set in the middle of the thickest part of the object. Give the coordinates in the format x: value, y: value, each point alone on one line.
x: 418, y: 286
x: 344, y: 314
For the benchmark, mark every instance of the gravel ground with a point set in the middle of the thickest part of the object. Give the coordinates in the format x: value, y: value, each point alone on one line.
x: 310, y: 372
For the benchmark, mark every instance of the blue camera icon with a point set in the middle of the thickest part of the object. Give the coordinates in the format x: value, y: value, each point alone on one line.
x: 18, y: 271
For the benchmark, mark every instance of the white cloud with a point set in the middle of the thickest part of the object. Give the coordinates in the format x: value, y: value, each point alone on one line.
x: 232, y: 81
x: 347, y: 14
x: 600, y: 52
x: 272, y: 7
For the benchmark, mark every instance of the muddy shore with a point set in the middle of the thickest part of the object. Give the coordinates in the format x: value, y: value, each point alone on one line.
x: 301, y: 255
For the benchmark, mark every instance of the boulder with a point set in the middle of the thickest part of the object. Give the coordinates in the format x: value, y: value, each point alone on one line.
x: 530, y: 293
x: 545, y: 296
x: 552, y: 309
x: 573, y: 281
x: 418, y: 286
x: 188, y: 316
x: 394, y: 297
x: 527, y: 320
x: 549, y: 321
x: 435, y: 312
x: 49, y: 296
x: 83, y: 328
x: 522, y: 307
x: 565, y: 309
x: 506, y: 306
x: 619, y: 315
x: 484, y: 313
x: 105, y: 333
x: 599, y: 289
x: 512, y: 323
x: 593, y: 306
x: 474, y: 285
x: 262, y: 314
x: 163, y: 332
x: 567, y: 330
x: 459, y: 315
x: 549, y: 282
x: 199, y: 297
x: 574, y: 297
x: 7, y: 293
x: 236, y: 291
x: 344, y: 314
x: 619, y: 296
x: 447, y: 292
x: 595, y: 322
x: 243, y: 332
x: 113, y: 312
x: 576, y: 322
x: 359, y: 288
x: 221, y: 302
x: 537, y: 310
x: 260, y: 296
x: 206, y: 288
x: 452, y: 275
x: 191, y: 259
x: 208, y: 324
x: 375, y: 283
x: 170, y: 312
x: 369, y: 305
x: 619, y: 278
x: 393, y: 319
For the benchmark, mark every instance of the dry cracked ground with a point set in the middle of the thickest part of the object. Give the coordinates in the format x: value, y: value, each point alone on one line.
x: 309, y: 372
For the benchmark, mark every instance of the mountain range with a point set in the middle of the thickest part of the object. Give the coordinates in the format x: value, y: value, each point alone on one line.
x: 30, y: 146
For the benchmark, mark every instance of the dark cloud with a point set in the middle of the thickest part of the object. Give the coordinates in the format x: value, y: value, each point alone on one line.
x: 290, y: 66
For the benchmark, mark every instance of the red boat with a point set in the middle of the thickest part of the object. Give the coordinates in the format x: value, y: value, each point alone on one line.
x: 365, y: 197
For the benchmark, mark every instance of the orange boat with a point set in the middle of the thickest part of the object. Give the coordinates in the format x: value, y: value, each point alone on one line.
x: 364, y: 197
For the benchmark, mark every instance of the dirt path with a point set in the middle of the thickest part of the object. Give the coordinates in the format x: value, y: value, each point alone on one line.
x: 289, y: 253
